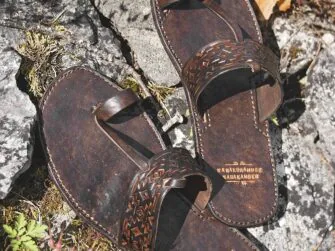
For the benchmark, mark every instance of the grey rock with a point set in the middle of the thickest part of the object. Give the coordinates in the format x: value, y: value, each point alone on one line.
x: 17, y: 116
x: 182, y: 135
x: 132, y: 20
x: 85, y: 40
x: 328, y: 241
x: 304, y: 152
x: 297, y: 42
x: 91, y: 44
x: 309, y: 169
x: 62, y: 220
x: 328, y: 39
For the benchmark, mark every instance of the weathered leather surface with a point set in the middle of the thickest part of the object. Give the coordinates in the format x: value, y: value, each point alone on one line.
x: 89, y: 169
x: 96, y: 177
x: 202, y: 234
x: 230, y: 132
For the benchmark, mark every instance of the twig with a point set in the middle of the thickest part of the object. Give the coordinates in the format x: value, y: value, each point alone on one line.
x: 24, y: 199
x: 12, y: 26
x: 36, y: 207
x: 56, y: 18
x: 177, y: 118
x: 310, y: 67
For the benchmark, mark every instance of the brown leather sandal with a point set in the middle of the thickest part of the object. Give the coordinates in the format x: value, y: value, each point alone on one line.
x: 112, y: 167
x: 233, y: 85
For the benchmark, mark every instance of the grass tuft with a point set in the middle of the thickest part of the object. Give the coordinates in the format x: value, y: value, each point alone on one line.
x: 161, y: 93
x: 131, y: 83
x: 41, y: 54
x: 52, y: 202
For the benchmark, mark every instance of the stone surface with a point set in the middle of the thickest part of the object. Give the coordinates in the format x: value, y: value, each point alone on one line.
x: 91, y: 44
x: 132, y: 20
x: 62, y: 220
x: 328, y: 39
x: 182, y: 135
x: 309, y: 168
x: 86, y: 42
x: 297, y: 42
x: 17, y: 116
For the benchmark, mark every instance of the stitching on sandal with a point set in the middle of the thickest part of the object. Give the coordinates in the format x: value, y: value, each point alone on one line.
x: 51, y: 164
x: 254, y: 113
x: 197, y: 128
x: 245, y: 239
x: 165, y: 35
x: 166, y: 13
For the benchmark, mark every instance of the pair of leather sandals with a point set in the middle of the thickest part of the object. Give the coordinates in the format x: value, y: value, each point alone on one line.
x: 113, y: 168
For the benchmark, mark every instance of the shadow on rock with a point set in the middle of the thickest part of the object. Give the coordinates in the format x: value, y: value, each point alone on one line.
x: 293, y: 105
x: 30, y: 185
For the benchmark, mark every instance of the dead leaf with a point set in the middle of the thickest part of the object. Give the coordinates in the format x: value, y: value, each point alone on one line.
x: 284, y: 5
x: 266, y: 7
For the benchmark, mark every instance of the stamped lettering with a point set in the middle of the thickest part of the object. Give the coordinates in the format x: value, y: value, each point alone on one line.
x: 240, y: 172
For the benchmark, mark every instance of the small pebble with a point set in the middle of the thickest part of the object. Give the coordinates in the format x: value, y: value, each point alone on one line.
x: 328, y: 38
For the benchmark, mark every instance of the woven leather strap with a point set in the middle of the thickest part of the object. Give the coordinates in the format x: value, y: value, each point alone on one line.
x: 156, y: 177
x: 220, y: 57
x: 167, y: 170
x: 116, y: 104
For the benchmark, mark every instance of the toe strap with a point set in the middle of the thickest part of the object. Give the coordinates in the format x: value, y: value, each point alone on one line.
x: 116, y: 104
x: 169, y: 169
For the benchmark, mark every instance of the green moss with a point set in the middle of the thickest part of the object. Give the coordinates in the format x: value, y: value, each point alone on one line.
x: 131, y: 83
x: 52, y: 202
x: 82, y: 237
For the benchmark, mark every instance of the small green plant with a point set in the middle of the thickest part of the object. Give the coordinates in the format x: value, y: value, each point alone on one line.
x: 23, y: 235
x: 275, y: 120
x: 131, y: 83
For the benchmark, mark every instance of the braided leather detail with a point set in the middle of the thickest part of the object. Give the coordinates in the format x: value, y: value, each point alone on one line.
x: 225, y: 55
x: 139, y: 224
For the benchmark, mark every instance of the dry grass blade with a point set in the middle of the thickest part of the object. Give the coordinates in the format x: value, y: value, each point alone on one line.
x: 161, y: 93
x: 131, y: 83
x: 41, y: 60
x: 158, y: 91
